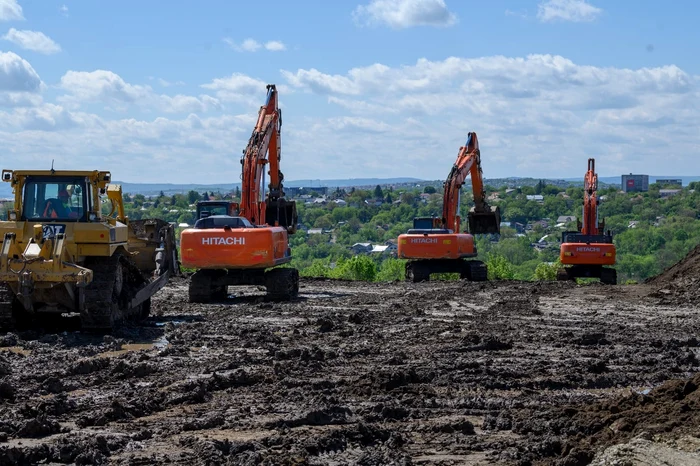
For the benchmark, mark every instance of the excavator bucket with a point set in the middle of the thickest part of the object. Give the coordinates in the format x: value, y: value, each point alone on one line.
x: 484, y: 223
x: 283, y: 213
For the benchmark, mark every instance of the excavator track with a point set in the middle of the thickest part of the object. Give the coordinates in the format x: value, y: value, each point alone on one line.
x: 200, y: 289
x: 476, y: 271
x: 282, y: 284
x: 608, y: 276
x: 417, y: 272
x: 116, y: 280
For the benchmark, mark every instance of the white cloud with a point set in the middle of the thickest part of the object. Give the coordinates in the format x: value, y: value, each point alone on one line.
x: 10, y: 10
x: 536, y: 116
x: 32, y: 40
x: 252, y: 45
x: 20, y: 99
x: 166, y: 83
x: 238, y: 88
x: 147, y: 146
x: 520, y: 14
x: 189, y: 104
x: 64, y: 10
x: 539, y: 115
x: 399, y: 14
x: 248, y: 45
x: 108, y: 87
x: 101, y: 85
x: 47, y: 117
x: 17, y: 75
x: 275, y: 46
x: 567, y: 10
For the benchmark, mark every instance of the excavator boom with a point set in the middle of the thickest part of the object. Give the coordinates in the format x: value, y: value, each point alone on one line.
x: 482, y: 219
x: 264, y: 148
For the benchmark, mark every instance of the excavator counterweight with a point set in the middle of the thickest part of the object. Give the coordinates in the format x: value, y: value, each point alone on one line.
x: 436, y: 245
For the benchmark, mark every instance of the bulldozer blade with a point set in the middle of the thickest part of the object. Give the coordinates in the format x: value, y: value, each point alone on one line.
x: 484, y: 223
x: 282, y: 213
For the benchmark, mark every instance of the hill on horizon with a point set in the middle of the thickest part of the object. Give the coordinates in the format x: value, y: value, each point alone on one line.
x: 152, y: 189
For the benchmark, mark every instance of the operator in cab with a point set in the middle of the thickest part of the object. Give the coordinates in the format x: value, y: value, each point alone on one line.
x: 62, y: 208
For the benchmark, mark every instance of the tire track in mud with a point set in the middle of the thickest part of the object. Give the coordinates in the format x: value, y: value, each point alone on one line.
x: 429, y: 373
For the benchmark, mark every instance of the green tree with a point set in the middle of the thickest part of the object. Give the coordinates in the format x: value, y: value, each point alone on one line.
x: 391, y: 270
x: 378, y: 193
x: 545, y: 271
x: 408, y: 198
x: 324, y: 221
x: 499, y: 268
x: 193, y: 196
x: 429, y: 190
x: 539, y: 187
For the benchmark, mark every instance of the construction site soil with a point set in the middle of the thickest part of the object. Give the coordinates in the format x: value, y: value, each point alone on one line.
x: 368, y: 373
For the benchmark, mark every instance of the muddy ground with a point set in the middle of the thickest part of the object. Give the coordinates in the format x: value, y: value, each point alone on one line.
x: 372, y: 374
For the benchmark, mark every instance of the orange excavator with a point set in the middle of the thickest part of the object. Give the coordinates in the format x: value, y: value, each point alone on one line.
x: 244, y: 249
x: 436, y: 245
x: 586, y: 252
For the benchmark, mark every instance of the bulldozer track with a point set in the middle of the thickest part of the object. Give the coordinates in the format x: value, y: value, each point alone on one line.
x: 6, y: 298
x: 116, y: 280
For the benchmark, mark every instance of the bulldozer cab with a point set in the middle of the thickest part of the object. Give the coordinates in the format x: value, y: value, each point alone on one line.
x: 54, y: 198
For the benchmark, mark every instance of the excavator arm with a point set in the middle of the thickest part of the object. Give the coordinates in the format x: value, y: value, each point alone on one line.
x: 589, y: 221
x: 264, y: 148
x: 482, y: 218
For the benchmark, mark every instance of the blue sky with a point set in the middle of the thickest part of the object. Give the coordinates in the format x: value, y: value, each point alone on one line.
x: 168, y: 91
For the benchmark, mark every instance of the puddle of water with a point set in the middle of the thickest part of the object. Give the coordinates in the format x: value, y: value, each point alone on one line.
x: 160, y: 343
x: 174, y: 322
x: 16, y: 350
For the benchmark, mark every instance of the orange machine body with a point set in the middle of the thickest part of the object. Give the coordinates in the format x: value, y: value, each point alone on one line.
x: 242, y: 244
x: 234, y: 248
x: 587, y: 254
x: 436, y: 246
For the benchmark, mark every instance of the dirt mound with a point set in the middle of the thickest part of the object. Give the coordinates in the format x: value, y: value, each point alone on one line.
x: 582, y: 430
x: 679, y: 283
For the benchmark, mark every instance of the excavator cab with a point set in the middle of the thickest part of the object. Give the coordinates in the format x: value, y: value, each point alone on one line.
x: 427, y: 223
x: 209, y: 208
x: 484, y: 223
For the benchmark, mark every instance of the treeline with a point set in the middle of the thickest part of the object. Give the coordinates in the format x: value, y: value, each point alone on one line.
x: 651, y: 232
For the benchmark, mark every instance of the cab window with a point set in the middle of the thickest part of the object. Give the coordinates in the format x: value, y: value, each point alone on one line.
x: 54, y: 199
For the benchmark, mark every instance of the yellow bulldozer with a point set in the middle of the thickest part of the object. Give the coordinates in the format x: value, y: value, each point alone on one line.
x: 66, y: 246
